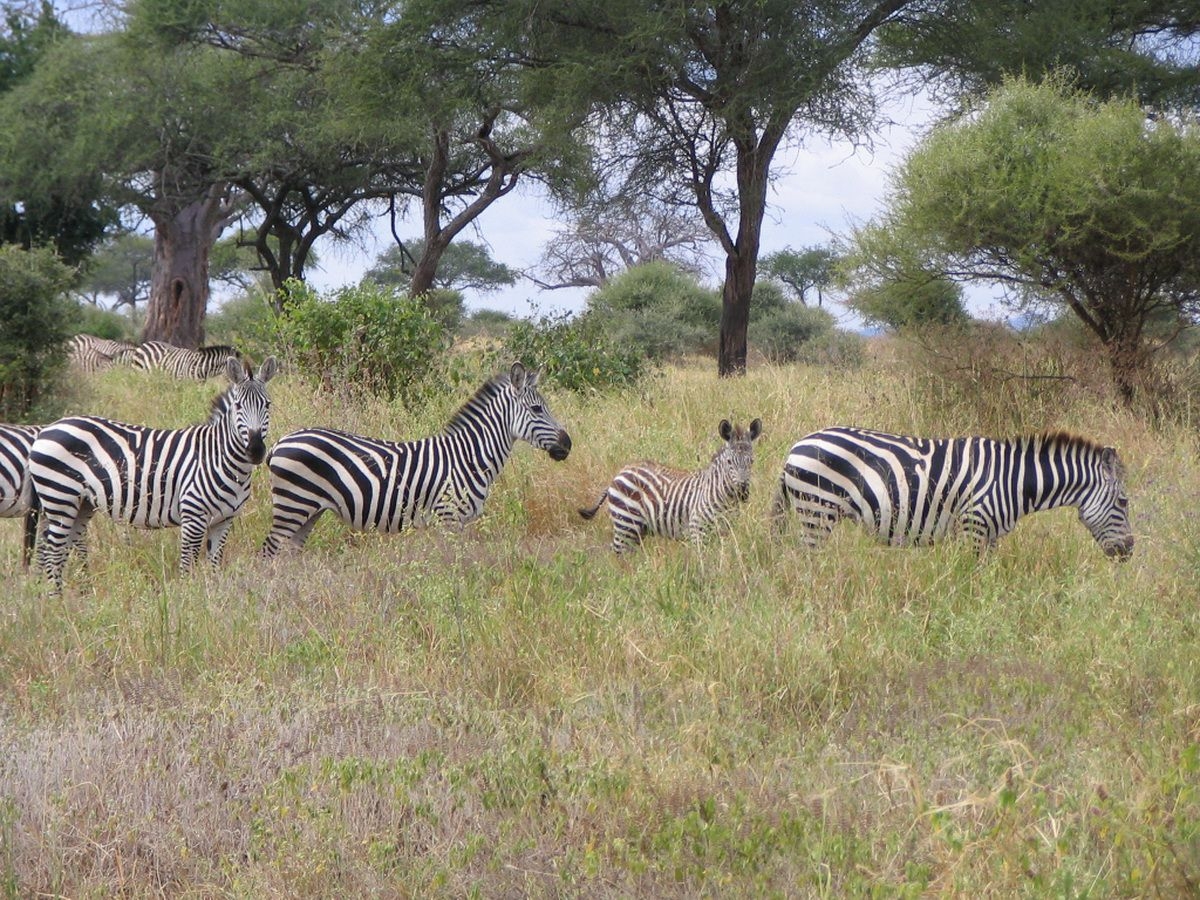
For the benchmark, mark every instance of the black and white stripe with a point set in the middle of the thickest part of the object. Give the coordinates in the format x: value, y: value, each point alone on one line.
x: 16, y: 497
x: 648, y: 498
x: 196, y: 478
x: 89, y: 353
x: 205, y: 362
x: 909, y: 490
x: 385, y: 486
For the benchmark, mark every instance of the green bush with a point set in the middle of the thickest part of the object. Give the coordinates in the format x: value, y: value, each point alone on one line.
x: 36, y: 318
x: 658, y: 309
x: 247, y: 322
x: 576, y: 354
x: 369, y: 337
x: 104, y: 323
x: 796, y: 333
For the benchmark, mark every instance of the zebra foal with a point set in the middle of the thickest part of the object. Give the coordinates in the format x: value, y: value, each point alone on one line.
x: 648, y: 498
x: 385, y: 486
x: 16, y: 497
x: 910, y: 490
x: 196, y: 478
x: 200, y: 364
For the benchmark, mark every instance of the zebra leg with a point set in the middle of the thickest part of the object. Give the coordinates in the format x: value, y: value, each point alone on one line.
x: 286, y: 529
x: 817, y: 516
x: 62, y: 531
x: 217, y: 534
x: 192, y: 532
x: 31, y: 526
x: 627, y: 534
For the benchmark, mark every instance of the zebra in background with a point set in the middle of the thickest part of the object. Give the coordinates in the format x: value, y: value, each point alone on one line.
x: 909, y: 490
x: 91, y: 354
x: 201, y: 364
x: 16, y: 497
x: 648, y: 498
x: 386, y: 486
x: 196, y: 478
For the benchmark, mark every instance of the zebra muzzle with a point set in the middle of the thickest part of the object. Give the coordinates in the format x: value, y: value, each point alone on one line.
x: 560, y: 450
x: 256, y: 448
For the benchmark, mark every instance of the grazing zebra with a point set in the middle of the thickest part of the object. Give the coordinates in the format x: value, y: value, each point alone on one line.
x: 196, y: 478
x: 386, y: 486
x: 909, y: 490
x: 647, y: 498
x: 16, y: 499
x: 90, y: 354
x: 206, y: 362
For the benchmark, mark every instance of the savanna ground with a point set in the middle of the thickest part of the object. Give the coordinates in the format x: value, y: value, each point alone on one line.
x: 511, y: 711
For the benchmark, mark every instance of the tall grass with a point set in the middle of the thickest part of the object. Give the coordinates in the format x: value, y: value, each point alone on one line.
x: 512, y: 710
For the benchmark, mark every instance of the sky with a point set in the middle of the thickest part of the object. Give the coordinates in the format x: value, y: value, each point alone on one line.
x: 823, y: 188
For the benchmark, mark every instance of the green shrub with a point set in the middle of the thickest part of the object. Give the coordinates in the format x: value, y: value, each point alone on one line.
x: 368, y: 336
x: 576, y: 354
x: 658, y: 309
x: 36, y: 318
x: 795, y: 333
x: 104, y: 323
x: 247, y: 322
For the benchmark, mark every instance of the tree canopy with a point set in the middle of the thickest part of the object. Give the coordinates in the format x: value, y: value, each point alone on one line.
x: 1062, y: 199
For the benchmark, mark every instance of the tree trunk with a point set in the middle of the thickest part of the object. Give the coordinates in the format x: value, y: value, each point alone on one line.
x: 740, y: 271
x: 179, y: 291
x: 1128, y: 362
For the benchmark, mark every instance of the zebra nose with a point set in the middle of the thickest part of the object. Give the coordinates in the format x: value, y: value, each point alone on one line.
x: 257, y: 448
x: 1120, y: 550
x: 562, y: 448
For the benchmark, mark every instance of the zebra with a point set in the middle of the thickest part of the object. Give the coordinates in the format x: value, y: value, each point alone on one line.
x: 201, y: 364
x: 16, y: 499
x: 648, y: 498
x: 911, y: 490
x: 385, y: 486
x: 196, y: 478
x: 91, y: 354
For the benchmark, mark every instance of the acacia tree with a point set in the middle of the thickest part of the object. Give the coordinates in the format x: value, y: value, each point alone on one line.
x: 801, y: 271
x: 1061, y: 199
x: 617, y: 234
x: 465, y: 265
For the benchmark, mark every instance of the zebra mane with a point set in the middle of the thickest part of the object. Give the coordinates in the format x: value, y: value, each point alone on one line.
x: 1065, y: 438
x: 219, y: 405
x: 488, y: 390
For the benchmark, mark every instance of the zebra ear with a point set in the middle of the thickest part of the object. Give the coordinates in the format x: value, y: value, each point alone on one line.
x: 517, y: 375
x: 1111, y: 462
x: 755, y: 429
x: 725, y: 430
x: 235, y: 370
x: 268, y: 369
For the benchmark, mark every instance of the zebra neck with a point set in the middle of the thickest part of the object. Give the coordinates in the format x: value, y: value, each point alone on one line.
x: 481, y: 447
x: 1050, y: 474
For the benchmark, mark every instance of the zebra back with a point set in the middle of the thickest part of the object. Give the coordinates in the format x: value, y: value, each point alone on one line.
x: 91, y: 354
x: 181, y: 362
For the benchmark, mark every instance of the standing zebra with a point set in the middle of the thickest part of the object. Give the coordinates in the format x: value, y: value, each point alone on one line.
x: 206, y: 362
x: 196, y: 478
x: 386, y: 486
x: 648, y: 498
x: 15, y: 496
x: 909, y: 490
x: 90, y: 354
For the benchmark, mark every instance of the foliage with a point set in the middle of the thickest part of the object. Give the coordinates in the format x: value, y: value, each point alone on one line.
x: 801, y: 271
x: 792, y: 332
x: 1067, y: 201
x: 464, y: 266
x: 578, y: 354
x: 35, y: 321
x: 658, y: 309
x: 105, y: 323
x: 365, y: 337
x: 910, y: 300
x: 248, y: 322
x: 120, y: 268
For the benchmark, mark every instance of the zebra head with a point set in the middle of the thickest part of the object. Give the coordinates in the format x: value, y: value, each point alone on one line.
x: 1105, y: 508
x: 248, y: 404
x: 735, y: 459
x: 531, y: 420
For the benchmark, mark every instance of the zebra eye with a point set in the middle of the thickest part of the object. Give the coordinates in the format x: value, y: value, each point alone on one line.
x: 1122, y: 502
x: 536, y: 409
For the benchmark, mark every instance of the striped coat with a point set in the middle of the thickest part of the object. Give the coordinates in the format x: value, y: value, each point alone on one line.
x: 909, y: 490
x: 201, y: 364
x: 16, y: 494
x: 649, y: 498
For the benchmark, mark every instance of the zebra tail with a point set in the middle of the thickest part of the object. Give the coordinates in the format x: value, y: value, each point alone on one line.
x: 588, y: 513
x: 780, y: 505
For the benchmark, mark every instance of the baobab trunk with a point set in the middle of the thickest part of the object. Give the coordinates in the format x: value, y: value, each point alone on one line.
x: 179, y: 281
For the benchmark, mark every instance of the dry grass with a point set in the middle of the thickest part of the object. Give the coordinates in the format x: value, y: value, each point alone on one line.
x: 512, y: 711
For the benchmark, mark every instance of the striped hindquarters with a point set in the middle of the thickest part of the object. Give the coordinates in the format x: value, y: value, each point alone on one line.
x: 91, y: 354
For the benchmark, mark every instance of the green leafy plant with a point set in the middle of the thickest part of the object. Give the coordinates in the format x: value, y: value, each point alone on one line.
x: 577, y: 354
x: 35, y: 319
x: 367, y: 336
